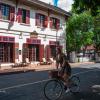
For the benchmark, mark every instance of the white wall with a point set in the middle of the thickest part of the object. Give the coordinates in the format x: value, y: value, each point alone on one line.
x: 31, y: 27
x: 28, y: 28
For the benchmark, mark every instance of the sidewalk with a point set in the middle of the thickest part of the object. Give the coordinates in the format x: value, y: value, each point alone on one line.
x: 36, y: 68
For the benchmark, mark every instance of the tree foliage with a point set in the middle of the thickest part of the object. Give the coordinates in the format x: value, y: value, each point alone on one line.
x: 97, y: 32
x: 79, y: 31
x: 80, y: 6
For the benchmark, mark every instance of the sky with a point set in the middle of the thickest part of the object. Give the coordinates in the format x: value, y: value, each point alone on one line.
x: 64, y: 4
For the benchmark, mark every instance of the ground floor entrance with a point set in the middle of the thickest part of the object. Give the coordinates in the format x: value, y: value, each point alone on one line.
x: 51, y: 50
x: 33, y: 52
x: 6, y: 52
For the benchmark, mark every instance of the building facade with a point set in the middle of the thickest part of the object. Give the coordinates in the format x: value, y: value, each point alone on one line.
x: 29, y: 29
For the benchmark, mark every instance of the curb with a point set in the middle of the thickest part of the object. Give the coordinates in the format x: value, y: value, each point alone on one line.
x: 8, y: 72
x: 46, y: 68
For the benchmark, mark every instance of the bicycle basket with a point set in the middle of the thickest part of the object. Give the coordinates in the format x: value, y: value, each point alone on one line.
x: 53, y: 74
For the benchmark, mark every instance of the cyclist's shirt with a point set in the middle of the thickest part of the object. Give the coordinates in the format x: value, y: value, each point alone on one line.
x: 65, y: 67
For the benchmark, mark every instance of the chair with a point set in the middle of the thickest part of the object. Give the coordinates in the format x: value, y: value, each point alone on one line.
x: 52, y: 60
x: 18, y: 63
x: 44, y: 62
x: 26, y: 63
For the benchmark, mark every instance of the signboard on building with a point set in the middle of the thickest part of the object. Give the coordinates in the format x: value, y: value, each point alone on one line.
x: 34, y: 34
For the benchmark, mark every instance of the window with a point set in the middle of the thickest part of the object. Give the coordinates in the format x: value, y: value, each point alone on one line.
x: 6, y: 52
x: 5, y: 10
x: 41, y: 20
x: 54, y: 23
x: 23, y: 16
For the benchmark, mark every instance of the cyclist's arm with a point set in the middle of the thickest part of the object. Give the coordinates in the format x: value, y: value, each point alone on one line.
x: 57, y: 64
x: 64, y: 60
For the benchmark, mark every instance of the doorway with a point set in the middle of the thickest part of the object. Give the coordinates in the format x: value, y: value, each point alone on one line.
x: 33, y: 52
x: 6, y: 52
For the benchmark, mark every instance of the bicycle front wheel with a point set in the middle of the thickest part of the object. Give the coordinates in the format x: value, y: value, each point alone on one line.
x: 53, y: 89
x: 74, y: 84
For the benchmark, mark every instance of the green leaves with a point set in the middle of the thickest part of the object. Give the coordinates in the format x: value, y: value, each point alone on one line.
x: 85, y: 23
x: 80, y: 6
x: 97, y: 32
x: 79, y: 31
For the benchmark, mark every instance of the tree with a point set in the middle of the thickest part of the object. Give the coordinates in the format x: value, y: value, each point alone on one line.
x: 80, y: 6
x: 93, y: 7
x: 97, y: 33
x: 79, y: 32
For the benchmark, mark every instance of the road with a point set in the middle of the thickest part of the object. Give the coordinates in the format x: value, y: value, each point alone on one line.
x: 29, y: 85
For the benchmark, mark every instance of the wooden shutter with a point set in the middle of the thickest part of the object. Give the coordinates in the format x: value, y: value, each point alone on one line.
x: 46, y: 21
x: 16, y: 46
x: 51, y: 22
x: 27, y: 17
x: 12, y: 13
x: 41, y: 52
x: 25, y: 51
x: 37, y: 23
x: 19, y: 15
x: 48, y: 52
x: 58, y: 24
x: 0, y: 12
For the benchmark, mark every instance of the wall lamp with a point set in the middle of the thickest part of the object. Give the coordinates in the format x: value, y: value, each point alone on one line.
x: 21, y: 35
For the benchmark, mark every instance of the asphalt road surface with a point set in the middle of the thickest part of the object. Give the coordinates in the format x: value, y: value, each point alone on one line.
x: 29, y: 85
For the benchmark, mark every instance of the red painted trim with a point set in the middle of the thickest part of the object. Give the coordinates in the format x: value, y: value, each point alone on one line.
x: 33, y: 41
x: 27, y: 17
x: 12, y: 13
x: 58, y: 24
x: 37, y: 19
x: 19, y: 15
x: 48, y: 52
x: 41, y: 52
x: 51, y: 22
x: 7, y: 39
x: 53, y: 42
x: 46, y: 21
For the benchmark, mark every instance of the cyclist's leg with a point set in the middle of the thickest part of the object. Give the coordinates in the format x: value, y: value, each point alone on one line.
x: 66, y: 82
x: 66, y: 75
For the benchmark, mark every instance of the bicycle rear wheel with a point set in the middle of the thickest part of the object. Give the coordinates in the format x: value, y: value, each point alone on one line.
x: 53, y: 89
x: 74, y: 84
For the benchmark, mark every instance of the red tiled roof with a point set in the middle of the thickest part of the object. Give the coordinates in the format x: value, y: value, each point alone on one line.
x: 91, y: 47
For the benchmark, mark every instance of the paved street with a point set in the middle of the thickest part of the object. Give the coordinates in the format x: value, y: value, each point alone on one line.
x: 29, y: 85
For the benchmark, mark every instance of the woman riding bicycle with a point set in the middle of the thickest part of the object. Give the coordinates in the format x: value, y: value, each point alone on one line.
x: 61, y: 79
x: 65, y: 68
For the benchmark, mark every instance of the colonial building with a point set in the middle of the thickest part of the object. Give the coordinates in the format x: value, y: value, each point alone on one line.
x: 29, y: 29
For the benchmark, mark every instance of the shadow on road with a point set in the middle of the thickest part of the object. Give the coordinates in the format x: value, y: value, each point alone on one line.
x: 83, y: 96
x: 89, y: 85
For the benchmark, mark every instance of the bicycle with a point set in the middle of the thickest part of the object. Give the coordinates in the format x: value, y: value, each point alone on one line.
x: 54, y: 87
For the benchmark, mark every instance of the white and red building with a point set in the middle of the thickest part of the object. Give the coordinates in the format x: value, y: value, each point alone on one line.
x: 29, y: 29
